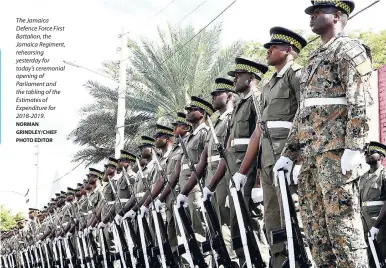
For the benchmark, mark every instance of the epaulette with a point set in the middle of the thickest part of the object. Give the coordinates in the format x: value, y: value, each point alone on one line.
x: 358, y: 56
x: 296, y: 67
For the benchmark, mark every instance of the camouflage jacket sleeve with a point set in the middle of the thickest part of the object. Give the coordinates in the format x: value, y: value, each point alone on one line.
x: 355, y: 69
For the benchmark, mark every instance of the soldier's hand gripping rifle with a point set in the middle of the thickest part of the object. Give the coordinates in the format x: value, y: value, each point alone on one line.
x: 295, y: 244
x: 170, y: 261
x: 126, y: 255
x: 216, y: 239
x: 144, y: 231
x: 248, y: 242
x: 376, y: 252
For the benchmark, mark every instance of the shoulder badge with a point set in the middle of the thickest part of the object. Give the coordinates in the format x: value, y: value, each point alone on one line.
x: 296, y: 67
x: 359, y: 58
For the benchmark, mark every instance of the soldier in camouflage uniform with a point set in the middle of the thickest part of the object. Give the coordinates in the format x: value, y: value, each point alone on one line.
x: 329, y: 132
x: 372, y: 194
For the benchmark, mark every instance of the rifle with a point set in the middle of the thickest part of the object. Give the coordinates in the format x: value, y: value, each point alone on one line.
x: 378, y: 256
x: 216, y: 238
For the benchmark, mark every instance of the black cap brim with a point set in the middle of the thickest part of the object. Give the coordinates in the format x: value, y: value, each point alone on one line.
x: 222, y: 91
x: 267, y: 45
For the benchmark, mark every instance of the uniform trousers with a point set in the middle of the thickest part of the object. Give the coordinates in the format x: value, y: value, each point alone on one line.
x: 329, y: 207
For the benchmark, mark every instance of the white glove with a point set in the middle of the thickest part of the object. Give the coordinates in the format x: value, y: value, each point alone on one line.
x: 240, y: 181
x: 182, y: 199
x: 158, y: 204
x: 227, y: 201
x: 373, y: 232
x: 284, y: 163
x: 101, y: 225
x: 350, y: 160
x: 295, y: 174
x: 257, y: 195
x: 206, y: 194
x: 68, y: 235
x: 118, y: 218
x: 130, y: 214
x: 144, y: 210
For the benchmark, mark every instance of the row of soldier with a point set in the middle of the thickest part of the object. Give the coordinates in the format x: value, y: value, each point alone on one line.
x: 219, y: 188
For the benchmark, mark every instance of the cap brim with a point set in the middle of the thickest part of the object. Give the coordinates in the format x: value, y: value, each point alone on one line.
x: 222, y: 90
x: 309, y: 10
x: 267, y: 45
x: 232, y: 73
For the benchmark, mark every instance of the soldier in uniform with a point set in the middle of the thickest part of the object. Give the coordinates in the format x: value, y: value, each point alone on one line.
x: 242, y: 124
x: 223, y: 102
x: 329, y: 133
x: 198, y: 110
x: 126, y: 161
x: 278, y: 105
x: 372, y: 194
x: 172, y: 171
x: 141, y: 193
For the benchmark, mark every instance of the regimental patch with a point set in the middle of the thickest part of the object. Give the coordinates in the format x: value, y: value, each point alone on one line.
x: 359, y: 59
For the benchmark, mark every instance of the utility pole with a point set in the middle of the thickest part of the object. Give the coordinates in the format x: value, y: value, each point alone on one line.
x: 37, y: 175
x: 121, y: 113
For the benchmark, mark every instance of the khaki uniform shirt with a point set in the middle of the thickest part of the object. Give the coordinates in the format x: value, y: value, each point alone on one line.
x: 372, y: 187
x: 340, y: 68
x: 171, y: 162
x: 123, y: 189
x: 279, y: 103
x: 195, y: 144
x: 241, y: 126
x: 221, y: 125
x: 148, y: 177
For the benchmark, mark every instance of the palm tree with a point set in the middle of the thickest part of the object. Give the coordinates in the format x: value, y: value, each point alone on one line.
x: 161, y: 78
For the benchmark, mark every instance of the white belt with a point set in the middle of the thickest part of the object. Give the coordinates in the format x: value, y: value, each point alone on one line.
x: 111, y: 202
x: 186, y: 166
x: 325, y: 101
x: 241, y: 141
x: 124, y: 200
x: 372, y: 203
x: 214, y: 158
x: 279, y: 124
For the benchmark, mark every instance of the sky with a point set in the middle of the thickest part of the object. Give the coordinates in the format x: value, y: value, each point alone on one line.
x: 91, y: 37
